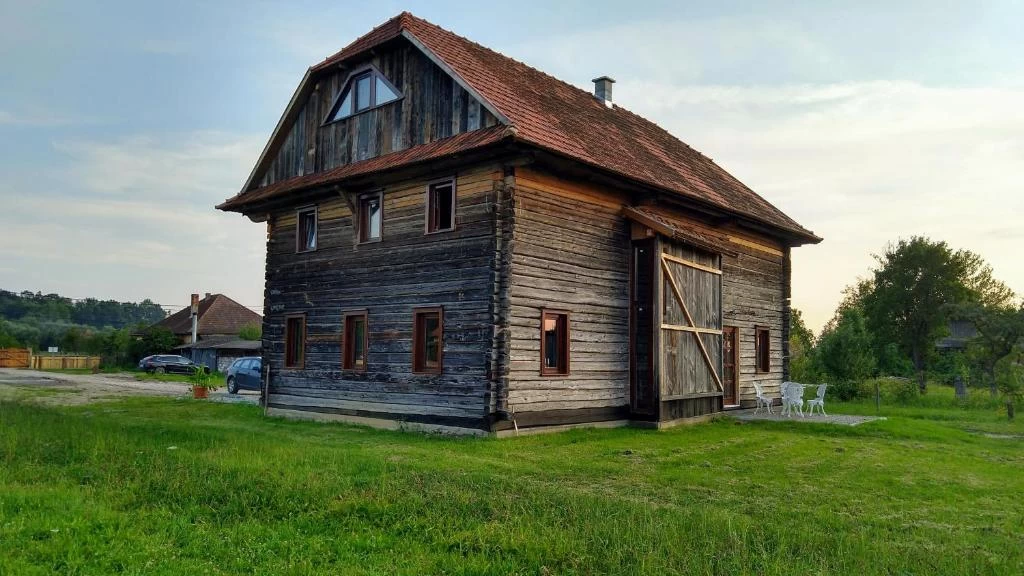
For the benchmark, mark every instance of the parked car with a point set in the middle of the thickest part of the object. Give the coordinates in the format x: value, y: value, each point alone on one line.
x: 170, y: 364
x: 245, y: 374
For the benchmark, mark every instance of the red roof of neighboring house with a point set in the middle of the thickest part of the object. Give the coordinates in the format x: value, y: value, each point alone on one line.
x: 561, y: 118
x: 218, y: 314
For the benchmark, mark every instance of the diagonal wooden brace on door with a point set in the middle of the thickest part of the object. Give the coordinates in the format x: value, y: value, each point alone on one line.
x: 689, y: 319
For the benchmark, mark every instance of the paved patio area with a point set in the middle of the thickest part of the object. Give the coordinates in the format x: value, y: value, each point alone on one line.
x: 841, y: 419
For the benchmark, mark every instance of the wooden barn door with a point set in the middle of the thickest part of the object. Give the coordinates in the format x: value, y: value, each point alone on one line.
x: 691, y: 332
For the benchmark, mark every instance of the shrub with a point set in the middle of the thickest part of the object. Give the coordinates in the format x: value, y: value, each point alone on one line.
x: 251, y: 331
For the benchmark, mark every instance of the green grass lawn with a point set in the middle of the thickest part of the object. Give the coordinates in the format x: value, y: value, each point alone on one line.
x: 158, y: 486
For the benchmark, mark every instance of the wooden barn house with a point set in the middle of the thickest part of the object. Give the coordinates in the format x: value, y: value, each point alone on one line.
x: 456, y: 240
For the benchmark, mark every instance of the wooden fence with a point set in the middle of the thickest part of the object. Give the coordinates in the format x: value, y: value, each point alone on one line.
x: 23, y: 358
x: 65, y: 362
x: 15, y: 357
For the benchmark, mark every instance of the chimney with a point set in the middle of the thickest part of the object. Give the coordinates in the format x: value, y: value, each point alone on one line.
x: 603, y: 90
x: 195, y: 318
x: 207, y: 296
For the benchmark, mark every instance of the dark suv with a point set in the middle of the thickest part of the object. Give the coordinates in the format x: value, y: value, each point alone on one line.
x: 169, y: 363
x: 244, y: 374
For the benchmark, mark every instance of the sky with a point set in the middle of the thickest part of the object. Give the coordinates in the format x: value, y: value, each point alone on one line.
x: 122, y: 124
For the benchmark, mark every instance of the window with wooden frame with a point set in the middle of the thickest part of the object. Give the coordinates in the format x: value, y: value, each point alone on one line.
x: 355, y: 345
x: 371, y: 216
x: 427, y: 340
x: 364, y: 90
x: 441, y: 206
x: 762, y: 349
x: 305, y: 229
x: 554, y: 343
x: 294, y: 341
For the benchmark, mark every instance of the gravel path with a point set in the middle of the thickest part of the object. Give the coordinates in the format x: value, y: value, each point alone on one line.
x: 70, y: 389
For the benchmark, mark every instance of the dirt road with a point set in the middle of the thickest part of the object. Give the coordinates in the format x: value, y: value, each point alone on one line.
x: 67, y: 389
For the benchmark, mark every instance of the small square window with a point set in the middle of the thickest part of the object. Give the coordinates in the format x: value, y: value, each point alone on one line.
x: 554, y: 343
x: 305, y: 237
x: 427, y: 340
x: 441, y: 206
x: 294, y: 341
x: 370, y: 217
x: 356, y: 341
x: 762, y: 349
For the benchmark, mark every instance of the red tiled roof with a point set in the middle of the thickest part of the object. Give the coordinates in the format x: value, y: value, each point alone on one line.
x: 218, y: 314
x: 566, y: 120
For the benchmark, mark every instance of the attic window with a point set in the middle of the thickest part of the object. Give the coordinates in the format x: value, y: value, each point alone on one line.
x: 364, y: 90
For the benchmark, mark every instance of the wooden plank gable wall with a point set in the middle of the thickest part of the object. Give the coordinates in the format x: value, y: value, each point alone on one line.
x: 433, y: 106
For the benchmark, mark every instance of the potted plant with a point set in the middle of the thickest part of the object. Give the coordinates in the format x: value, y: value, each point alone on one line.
x: 201, y: 382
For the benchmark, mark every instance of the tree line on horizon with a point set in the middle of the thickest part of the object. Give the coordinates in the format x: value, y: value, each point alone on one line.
x: 888, y: 324
x: 119, y: 332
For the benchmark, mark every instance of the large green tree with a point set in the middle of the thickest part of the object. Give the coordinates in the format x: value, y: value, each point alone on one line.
x: 914, y: 285
x: 845, y: 349
x: 1000, y: 331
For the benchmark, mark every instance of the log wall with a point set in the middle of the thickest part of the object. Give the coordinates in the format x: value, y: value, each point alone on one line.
x: 433, y: 106
x: 570, y: 251
x: 754, y: 288
x: 406, y: 269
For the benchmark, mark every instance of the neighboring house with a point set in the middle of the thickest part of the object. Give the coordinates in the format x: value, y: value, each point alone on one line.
x: 960, y: 334
x: 458, y: 240
x: 218, y: 352
x: 218, y: 316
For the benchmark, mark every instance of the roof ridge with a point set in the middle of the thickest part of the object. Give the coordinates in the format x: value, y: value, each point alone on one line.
x: 400, y: 18
x: 505, y: 56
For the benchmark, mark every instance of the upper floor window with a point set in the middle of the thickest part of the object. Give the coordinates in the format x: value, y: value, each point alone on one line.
x: 363, y: 91
x: 441, y: 206
x: 305, y: 237
x: 371, y: 217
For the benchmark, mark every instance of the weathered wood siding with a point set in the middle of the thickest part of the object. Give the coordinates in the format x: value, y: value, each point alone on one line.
x: 433, y: 107
x: 753, y: 293
x: 406, y: 269
x: 570, y: 251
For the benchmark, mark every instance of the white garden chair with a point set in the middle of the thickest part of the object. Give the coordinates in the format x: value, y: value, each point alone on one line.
x: 762, y: 399
x: 818, y: 400
x: 792, y: 398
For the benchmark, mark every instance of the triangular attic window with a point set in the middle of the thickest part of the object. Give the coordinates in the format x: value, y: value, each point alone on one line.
x: 364, y: 90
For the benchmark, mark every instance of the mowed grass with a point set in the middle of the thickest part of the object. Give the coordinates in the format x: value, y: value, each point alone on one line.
x: 158, y: 486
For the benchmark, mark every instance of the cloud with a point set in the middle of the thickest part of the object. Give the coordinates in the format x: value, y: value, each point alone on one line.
x: 861, y: 164
x: 135, y: 218
x: 183, y: 167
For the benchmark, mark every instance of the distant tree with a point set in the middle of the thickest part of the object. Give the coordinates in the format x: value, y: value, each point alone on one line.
x: 1000, y: 331
x: 845, y: 348
x: 251, y: 331
x: 156, y: 340
x: 801, y: 349
x: 7, y: 340
x: 1010, y: 380
x: 914, y: 284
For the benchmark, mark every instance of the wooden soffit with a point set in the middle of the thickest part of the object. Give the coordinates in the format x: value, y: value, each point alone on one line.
x: 674, y: 228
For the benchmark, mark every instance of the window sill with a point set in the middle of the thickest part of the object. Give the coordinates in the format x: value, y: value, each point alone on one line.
x: 434, y: 232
